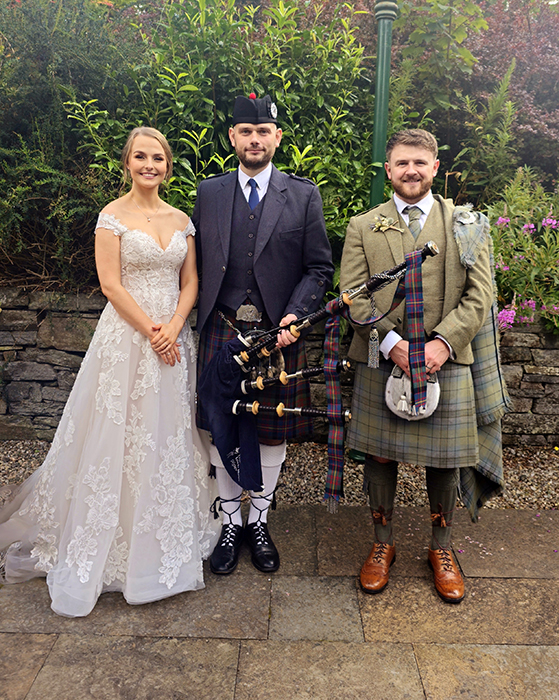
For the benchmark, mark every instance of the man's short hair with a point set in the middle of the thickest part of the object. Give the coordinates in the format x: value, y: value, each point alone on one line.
x: 412, y: 137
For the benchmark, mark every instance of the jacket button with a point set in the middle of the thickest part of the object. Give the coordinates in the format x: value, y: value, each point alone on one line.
x: 399, y: 320
x: 313, y: 296
x: 251, y: 217
x: 223, y: 268
x: 320, y: 283
x: 249, y: 272
x: 305, y: 308
x: 250, y: 255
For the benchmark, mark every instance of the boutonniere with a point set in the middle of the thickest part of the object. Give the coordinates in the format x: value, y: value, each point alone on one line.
x: 384, y: 223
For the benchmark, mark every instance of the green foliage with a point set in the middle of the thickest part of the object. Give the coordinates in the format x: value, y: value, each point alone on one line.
x: 203, y: 53
x: 526, y: 236
x: 46, y: 217
x: 433, y: 34
x: 487, y: 161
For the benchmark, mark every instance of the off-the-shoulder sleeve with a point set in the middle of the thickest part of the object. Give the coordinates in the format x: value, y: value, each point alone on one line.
x: 190, y: 230
x: 111, y: 223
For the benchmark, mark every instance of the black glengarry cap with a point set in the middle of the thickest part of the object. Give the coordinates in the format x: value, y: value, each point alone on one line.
x: 254, y: 110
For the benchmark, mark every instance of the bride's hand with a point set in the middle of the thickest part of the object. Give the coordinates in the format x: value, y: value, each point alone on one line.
x: 165, y: 344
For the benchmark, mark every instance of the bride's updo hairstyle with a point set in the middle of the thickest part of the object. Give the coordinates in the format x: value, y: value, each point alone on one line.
x: 154, y: 134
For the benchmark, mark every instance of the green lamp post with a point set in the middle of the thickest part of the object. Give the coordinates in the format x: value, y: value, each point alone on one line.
x: 385, y: 14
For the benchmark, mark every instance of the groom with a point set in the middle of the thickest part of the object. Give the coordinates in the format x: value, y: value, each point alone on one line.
x: 264, y: 260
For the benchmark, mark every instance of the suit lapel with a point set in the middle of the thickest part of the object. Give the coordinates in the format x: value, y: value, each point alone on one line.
x: 273, y: 205
x: 395, y: 239
x: 224, y: 209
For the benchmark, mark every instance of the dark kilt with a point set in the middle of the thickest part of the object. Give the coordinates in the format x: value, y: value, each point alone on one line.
x: 448, y: 438
x: 297, y: 393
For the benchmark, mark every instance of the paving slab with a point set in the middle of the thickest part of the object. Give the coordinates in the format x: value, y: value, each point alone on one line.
x: 327, y: 671
x: 21, y: 659
x: 494, y: 611
x: 315, y: 608
x: 345, y: 540
x: 137, y: 668
x: 294, y: 533
x: 235, y: 606
x: 508, y: 543
x: 455, y: 672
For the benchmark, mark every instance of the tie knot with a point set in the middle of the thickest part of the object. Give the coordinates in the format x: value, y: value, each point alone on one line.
x: 253, y: 185
x: 413, y: 212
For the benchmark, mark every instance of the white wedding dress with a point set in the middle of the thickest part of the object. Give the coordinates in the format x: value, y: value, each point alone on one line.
x: 122, y: 500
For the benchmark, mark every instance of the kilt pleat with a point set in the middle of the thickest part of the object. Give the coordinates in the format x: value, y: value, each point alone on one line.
x: 297, y: 393
x: 448, y: 438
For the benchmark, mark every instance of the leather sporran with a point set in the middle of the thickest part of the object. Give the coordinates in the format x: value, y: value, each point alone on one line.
x: 398, y: 395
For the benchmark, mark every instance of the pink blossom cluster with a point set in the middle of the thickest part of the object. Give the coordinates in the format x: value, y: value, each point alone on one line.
x: 503, y: 221
x: 529, y: 228
x: 505, y: 318
x: 552, y: 223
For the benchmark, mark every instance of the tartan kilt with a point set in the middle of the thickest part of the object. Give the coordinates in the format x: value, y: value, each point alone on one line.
x: 297, y: 393
x: 447, y: 438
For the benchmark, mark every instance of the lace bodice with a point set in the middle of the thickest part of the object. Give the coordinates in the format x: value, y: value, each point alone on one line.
x: 148, y: 272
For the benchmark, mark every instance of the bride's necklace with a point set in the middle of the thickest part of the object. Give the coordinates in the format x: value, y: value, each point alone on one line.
x: 147, y: 217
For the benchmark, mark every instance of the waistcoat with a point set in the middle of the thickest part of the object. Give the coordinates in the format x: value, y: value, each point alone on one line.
x: 239, y: 282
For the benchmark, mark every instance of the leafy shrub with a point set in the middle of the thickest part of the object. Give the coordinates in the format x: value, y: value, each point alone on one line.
x: 202, y: 53
x: 526, y: 236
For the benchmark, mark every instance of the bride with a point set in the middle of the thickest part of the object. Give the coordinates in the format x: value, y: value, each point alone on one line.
x: 122, y: 500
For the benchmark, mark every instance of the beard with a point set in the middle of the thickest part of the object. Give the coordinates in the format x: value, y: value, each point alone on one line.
x: 252, y: 162
x: 412, y: 191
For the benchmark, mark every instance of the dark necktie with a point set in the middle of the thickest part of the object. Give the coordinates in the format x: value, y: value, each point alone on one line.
x: 414, y: 214
x: 253, y: 197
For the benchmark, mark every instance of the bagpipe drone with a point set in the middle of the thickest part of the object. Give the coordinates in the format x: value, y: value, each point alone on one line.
x: 229, y: 384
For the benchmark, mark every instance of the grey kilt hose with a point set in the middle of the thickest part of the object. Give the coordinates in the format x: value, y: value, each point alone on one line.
x: 447, y: 439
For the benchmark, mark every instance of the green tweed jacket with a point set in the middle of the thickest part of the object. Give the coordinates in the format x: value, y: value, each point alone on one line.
x: 457, y: 299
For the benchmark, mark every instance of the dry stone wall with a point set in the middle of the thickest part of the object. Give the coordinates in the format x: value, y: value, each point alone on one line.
x: 44, y: 336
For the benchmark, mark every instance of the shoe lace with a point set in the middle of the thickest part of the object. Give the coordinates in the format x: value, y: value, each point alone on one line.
x: 445, y: 559
x: 228, y: 538
x: 380, y: 552
x: 260, y: 533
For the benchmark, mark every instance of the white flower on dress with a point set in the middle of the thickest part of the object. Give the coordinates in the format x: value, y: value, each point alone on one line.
x: 136, y: 438
x: 173, y: 515
x: 102, y: 515
x: 117, y: 561
x: 108, y: 388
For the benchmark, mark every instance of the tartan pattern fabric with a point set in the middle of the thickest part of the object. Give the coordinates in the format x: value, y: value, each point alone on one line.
x: 479, y: 484
x: 448, y: 438
x: 334, y: 478
x: 297, y: 393
x: 416, y: 331
x: 492, y: 399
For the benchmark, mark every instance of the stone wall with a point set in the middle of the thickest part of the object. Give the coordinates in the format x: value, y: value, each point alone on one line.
x: 44, y: 336
x: 531, y: 365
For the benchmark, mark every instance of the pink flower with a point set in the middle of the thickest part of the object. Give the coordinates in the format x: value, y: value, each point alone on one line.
x: 503, y: 221
x: 505, y: 318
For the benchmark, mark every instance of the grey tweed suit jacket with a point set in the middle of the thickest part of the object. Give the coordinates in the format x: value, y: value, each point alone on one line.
x: 456, y: 299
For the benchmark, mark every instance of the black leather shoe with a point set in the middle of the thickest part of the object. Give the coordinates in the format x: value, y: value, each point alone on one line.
x: 265, y: 556
x: 225, y: 557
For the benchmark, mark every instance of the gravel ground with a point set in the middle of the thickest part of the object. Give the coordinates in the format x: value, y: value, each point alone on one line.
x: 531, y: 475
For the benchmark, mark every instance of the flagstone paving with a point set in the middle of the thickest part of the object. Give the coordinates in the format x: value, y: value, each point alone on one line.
x: 308, y: 631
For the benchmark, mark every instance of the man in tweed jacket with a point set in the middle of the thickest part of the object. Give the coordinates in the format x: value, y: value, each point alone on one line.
x: 457, y: 300
x: 264, y: 260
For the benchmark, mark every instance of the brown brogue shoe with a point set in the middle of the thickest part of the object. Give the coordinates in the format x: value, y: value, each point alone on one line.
x: 375, y: 571
x: 448, y: 579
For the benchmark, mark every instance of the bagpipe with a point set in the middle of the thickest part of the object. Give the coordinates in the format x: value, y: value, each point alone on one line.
x: 224, y: 382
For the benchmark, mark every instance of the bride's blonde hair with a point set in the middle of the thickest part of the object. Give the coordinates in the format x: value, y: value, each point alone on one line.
x: 154, y: 134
